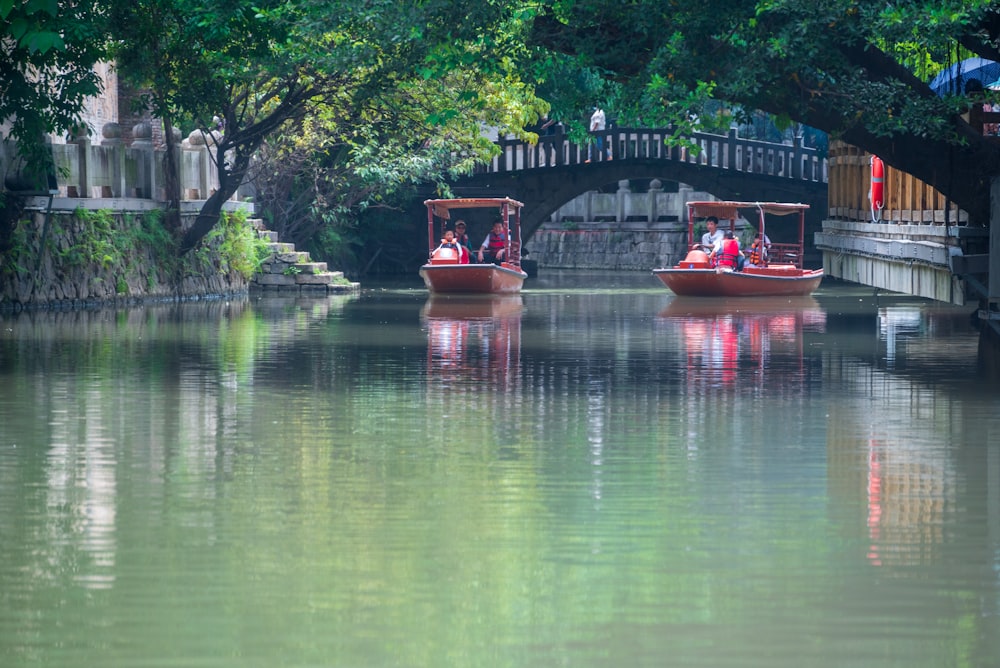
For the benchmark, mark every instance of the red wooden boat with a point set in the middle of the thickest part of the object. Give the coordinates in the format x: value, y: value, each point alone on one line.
x: 782, y: 274
x: 445, y: 271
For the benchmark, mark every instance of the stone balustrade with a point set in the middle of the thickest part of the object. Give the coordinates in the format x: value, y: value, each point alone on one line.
x: 110, y: 169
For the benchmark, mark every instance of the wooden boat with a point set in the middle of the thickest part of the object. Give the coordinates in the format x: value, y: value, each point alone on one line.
x: 445, y: 271
x: 782, y: 275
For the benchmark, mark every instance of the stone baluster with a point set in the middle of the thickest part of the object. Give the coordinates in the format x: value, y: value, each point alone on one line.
x: 655, y: 189
x: 621, y: 195
x: 80, y: 136
x: 142, y: 144
x: 111, y: 136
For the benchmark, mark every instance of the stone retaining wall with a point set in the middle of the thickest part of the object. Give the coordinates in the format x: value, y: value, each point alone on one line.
x: 624, y: 246
x: 60, y: 279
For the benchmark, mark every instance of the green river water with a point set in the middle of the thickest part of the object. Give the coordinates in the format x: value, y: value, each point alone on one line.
x: 593, y: 473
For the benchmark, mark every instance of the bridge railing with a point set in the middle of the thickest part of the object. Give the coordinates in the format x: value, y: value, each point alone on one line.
x: 728, y: 152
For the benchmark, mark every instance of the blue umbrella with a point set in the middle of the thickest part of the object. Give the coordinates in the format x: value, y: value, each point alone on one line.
x: 952, y: 81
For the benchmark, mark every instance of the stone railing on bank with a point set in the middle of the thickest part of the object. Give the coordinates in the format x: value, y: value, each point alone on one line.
x: 110, y: 169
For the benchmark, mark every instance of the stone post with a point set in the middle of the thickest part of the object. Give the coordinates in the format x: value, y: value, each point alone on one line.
x: 80, y: 136
x: 194, y: 146
x: 111, y: 135
x: 797, y: 156
x: 683, y: 197
x: 142, y: 143
x: 655, y: 189
x: 620, y: 196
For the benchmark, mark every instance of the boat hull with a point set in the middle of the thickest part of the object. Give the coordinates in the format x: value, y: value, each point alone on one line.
x: 472, y: 278
x: 751, y: 282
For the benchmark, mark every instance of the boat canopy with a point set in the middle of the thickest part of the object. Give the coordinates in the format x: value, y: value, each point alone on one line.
x: 730, y: 210
x: 442, y: 207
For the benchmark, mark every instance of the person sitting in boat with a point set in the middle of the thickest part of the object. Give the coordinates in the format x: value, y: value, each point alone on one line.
x: 711, y: 240
x: 757, y: 254
x: 495, y: 244
x: 448, y: 243
x: 727, y: 255
x: 464, y: 242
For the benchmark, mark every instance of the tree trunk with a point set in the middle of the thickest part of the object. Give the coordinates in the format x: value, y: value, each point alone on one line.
x: 230, y: 179
x: 171, y: 182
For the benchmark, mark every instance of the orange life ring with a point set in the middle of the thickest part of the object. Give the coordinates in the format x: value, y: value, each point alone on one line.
x: 876, y: 195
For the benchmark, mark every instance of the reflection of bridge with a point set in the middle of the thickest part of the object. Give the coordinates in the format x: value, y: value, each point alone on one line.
x: 552, y: 172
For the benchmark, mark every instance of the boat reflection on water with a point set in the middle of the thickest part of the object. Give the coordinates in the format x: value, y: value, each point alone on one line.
x: 725, y: 339
x: 474, y: 339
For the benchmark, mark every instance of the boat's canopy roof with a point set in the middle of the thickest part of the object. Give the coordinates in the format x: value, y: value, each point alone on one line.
x: 730, y: 210
x: 442, y: 207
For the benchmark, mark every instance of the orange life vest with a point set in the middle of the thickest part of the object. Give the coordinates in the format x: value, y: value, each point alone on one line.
x: 756, y: 257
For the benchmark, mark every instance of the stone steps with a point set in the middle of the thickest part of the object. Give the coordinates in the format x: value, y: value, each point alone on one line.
x: 289, y: 270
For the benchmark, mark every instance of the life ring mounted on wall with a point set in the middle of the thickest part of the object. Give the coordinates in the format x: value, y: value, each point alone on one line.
x: 876, y: 193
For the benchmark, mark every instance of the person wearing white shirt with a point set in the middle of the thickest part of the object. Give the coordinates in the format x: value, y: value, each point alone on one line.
x: 712, y: 240
x: 597, y: 124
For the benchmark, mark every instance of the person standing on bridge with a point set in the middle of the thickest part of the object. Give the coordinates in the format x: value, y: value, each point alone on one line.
x: 598, y: 122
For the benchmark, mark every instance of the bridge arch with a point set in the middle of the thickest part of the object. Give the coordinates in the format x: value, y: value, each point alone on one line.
x: 726, y: 167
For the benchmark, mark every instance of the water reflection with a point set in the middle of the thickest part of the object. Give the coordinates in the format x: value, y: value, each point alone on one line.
x: 586, y: 477
x: 726, y: 340
x: 474, y: 338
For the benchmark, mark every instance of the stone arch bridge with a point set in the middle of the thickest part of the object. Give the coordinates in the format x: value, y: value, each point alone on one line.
x: 547, y: 175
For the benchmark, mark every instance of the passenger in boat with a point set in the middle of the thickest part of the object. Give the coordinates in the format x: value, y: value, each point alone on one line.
x: 713, y: 238
x: 465, y: 243
x: 448, y: 242
x: 728, y: 254
x: 757, y: 255
x: 495, y: 244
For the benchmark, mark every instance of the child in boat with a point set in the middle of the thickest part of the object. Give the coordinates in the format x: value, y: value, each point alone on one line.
x: 450, y: 243
x: 495, y: 244
x: 756, y: 256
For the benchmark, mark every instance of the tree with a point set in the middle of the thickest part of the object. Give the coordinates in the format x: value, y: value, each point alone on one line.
x: 46, y: 72
x: 848, y: 67
x: 317, y: 175
x: 264, y: 64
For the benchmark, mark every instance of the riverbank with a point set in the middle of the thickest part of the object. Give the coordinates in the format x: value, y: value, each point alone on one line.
x: 113, y: 254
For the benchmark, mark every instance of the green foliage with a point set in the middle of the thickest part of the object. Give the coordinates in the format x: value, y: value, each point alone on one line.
x: 856, y: 69
x: 122, y: 246
x: 235, y: 245
x: 99, y: 241
x: 49, y: 50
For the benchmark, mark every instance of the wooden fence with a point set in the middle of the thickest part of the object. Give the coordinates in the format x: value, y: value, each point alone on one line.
x: 908, y: 200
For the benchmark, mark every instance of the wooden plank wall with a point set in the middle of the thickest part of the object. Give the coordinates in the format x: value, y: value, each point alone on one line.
x: 908, y: 200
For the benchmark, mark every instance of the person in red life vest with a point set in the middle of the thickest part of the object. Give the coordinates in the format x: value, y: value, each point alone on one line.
x: 465, y: 244
x: 495, y: 244
x: 728, y: 253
